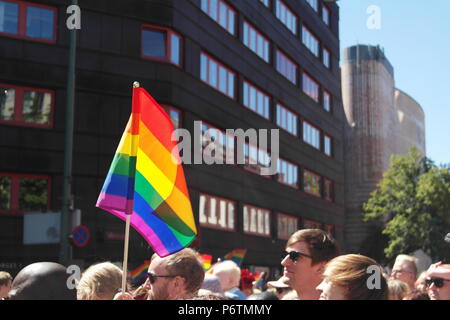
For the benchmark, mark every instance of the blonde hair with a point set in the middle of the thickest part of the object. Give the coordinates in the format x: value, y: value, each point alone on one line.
x: 412, y: 262
x: 398, y: 289
x: 231, y: 269
x: 99, y: 282
x: 351, y: 272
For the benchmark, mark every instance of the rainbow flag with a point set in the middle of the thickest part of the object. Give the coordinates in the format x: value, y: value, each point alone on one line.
x: 140, y: 271
x: 206, y: 261
x: 237, y: 255
x: 146, y: 180
x: 259, y: 280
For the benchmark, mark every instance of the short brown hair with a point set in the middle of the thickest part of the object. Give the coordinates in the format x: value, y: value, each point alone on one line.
x: 5, y: 278
x: 321, y: 244
x: 186, y: 264
x: 350, y: 271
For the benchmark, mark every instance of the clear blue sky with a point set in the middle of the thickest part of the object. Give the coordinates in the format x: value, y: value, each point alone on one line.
x: 415, y: 36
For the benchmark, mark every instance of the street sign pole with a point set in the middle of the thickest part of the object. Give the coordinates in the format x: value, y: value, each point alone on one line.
x: 67, y: 202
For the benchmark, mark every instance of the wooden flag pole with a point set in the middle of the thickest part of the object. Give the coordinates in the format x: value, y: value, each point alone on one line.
x: 125, y: 254
x: 129, y: 210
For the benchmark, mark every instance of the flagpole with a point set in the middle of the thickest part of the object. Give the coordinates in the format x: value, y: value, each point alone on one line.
x: 125, y: 253
x: 129, y: 210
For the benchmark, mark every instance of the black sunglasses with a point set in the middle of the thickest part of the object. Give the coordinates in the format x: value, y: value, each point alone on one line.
x: 438, y: 282
x: 294, y: 255
x: 153, y: 277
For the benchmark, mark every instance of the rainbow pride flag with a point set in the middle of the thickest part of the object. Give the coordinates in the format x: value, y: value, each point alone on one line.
x: 206, y: 261
x: 146, y: 180
x: 140, y: 272
x: 236, y: 255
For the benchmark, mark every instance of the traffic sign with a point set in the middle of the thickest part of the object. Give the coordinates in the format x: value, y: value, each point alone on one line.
x: 80, y: 236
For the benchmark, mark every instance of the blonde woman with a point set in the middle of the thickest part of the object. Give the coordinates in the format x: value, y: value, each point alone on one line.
x: 99, y: 282
x: 353, y: 277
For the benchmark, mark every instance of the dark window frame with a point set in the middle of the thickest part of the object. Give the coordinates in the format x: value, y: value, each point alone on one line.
x: 15, y: 191
x: 22, y: 22
x: 18, y: 107
x: 168, y: 37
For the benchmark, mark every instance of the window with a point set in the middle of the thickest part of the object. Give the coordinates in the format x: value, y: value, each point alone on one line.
x: 258, y: 43
x: 24, y: 193
x: 314, y: 4
x: 28, y: 20
x: 287, y: 120
x: 327, y: 101
x: 311, y: 183
x: 218, y: 143
x: 310, y: 41
x: 327, y: 145
x: 174, y: 114
x: 326, y: 58
x: 256, y: 221
x: 265, y: 2
x: 309, y: 224
x: 256, y: 100
x: 220, y: 12
x: 326, y: 15
x: 217, y: 75
x: 286, y: 67
x: 161, y: 44
x: 328, y: 192
x: 310, y: 87
x: 256, y: 158
x: 286, y: 16
x: 286, y: 226
x: 26, y: 106
x: 215, y: 212
x: 311, y: 135
x: 287, y: 173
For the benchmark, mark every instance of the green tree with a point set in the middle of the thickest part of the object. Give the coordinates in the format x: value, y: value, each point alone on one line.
x: 412, y: 202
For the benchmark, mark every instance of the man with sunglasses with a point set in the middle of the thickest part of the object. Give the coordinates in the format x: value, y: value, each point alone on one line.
x: 307, y: 253
x: 438, y: 282
x: 178, y: 276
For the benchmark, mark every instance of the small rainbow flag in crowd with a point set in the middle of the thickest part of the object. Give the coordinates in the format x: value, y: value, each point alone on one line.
x: 140, y: 272
x: 206, y: 260
x: 259, y: 280
x: 236, y: 255
x: 146, y: 180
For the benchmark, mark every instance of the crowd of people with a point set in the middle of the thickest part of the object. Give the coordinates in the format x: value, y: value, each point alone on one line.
x: 312, y: 270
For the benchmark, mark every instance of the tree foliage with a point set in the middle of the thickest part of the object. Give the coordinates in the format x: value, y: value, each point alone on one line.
x: 413, y: 203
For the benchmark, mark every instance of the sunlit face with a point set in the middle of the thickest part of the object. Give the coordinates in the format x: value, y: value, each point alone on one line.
x: 4, y: 290
x: 436, y: 293
x: 301, y: 273
x: 161, y: 288
x: 330, y: 291
x: 402, y: 271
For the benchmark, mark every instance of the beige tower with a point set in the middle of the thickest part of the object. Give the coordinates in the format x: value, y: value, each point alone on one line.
x: 411, y: 123
x: 381, y: 121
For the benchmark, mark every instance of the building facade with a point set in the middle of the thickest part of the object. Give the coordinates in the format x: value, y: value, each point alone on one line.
x: 232, y: 64
x: 381, y: 121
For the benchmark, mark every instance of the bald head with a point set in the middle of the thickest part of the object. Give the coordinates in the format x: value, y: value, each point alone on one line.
x: 42, y: 281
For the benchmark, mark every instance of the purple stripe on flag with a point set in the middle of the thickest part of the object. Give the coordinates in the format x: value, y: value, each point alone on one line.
x: 145, y: 231
x: 112, y: 202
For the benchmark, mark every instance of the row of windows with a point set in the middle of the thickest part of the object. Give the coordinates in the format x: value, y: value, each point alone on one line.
x: 163, y: 44
x: 34, y: 107
x: 220, y: 213
x: 225, y: 15
x: 325, y: 11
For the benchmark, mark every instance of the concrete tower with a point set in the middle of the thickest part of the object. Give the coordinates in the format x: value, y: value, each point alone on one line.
x: 381, y: 121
